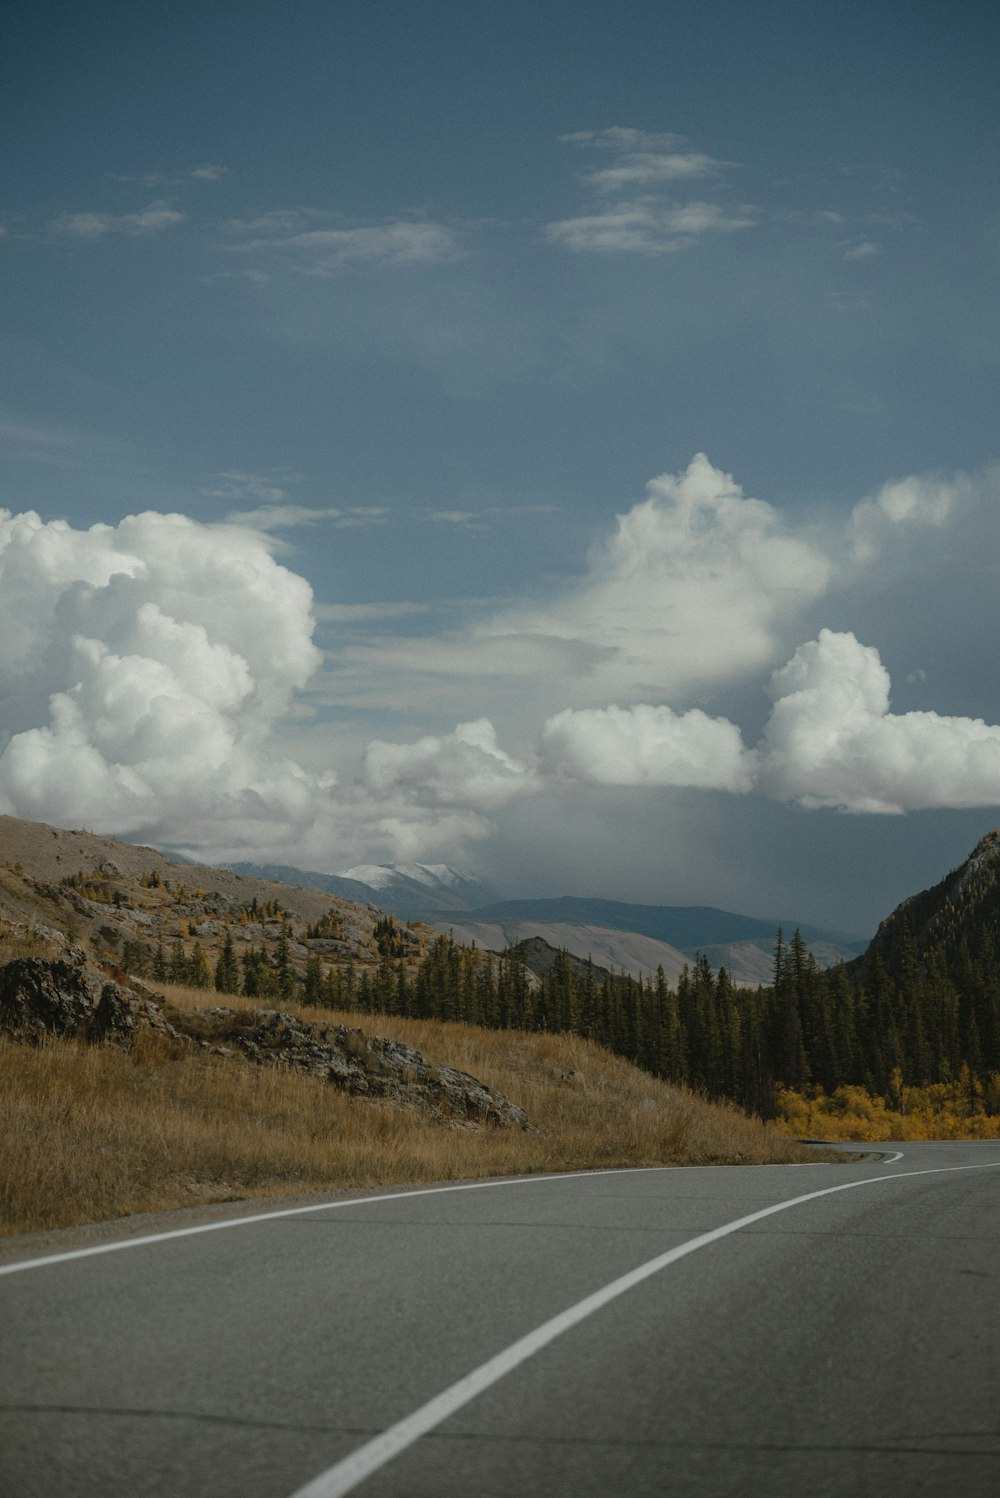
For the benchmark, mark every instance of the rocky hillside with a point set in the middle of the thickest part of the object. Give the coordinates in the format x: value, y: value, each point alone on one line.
x: 125, y: 904
x: 42, y: 999
x: 957, y: 920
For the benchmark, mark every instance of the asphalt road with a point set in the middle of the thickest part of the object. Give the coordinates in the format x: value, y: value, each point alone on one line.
x: 846, y: 1345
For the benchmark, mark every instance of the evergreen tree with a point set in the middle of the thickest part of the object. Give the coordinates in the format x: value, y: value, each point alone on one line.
x: 227, y: 969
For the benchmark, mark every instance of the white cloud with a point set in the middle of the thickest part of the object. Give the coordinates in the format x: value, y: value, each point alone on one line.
x: 368, y: 613
x: 832, y: 741
x: 150, y: 220
x: 467, y: 520
x: 465, y: 769
x: 648, y: 746
x: 154, y: 674
x: 150, y: 674
x: 866, y: 249
x: 646, y: 227
x: 697, y: 585
x: 144, y: 668
x: 279, y: 517
x: 207, y: 172
x: 643, y: 158
x: 919, y: 500
x: 294, y: 236
x: 247, y: 486
x: 651, y: 224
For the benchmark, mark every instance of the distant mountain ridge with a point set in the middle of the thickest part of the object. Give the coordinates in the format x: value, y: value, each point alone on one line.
x: 407, y: 889
x: 636, y: 939
x: 682, y: 926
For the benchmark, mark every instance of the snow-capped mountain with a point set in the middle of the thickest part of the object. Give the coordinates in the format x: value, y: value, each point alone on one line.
x: 421, y: 886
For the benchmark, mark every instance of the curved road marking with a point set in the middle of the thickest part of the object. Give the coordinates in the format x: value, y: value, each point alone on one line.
x: 354, y: 1469
x: 352, y: 1201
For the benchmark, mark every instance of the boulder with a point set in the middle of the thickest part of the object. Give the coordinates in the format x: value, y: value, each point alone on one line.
x: 366, y: 1065
x: 39, y: 998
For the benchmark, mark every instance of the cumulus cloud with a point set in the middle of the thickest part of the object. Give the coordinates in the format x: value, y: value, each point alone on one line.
x: 144, y: 667
x: 153, y: 675
x: 149, y: 673
x: 832, y: 741
x: 649, y: 746
x: 695, y: 586
x: 919, y: 500
x: 467, y: 768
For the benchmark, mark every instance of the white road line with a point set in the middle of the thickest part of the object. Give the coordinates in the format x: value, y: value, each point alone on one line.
x: 353, y: 1201
x: 891, y: 1159
x: 362, y: 1463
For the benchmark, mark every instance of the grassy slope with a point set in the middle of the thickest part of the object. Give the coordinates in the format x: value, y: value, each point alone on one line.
x: 94, y: 1133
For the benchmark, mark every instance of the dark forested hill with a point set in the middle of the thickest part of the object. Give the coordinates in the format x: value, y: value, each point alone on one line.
x: 952, y: 924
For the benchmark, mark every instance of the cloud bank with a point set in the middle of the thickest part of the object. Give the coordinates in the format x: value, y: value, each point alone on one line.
x: 651, y: 746
x: 153, y: 675
x: 831, y: 741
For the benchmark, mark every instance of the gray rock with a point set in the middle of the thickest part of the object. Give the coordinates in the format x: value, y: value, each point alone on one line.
x: 41, y: 998
x: 365, y: 1065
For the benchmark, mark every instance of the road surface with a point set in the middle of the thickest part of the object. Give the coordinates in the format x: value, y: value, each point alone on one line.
x: 698, y: 1333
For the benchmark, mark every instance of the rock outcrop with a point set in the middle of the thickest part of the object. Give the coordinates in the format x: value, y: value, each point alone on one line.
x: 366, y: 1065
x: 40, y: 999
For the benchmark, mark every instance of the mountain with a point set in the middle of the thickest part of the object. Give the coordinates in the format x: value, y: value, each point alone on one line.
x: 635, y: 939
x: 404, y: 889
x: 952, y: 925
x: 116, y: 897
x: 283, y: 873
x: 688, y: 927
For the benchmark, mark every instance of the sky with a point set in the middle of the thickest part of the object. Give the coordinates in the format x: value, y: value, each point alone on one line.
x: 555, y: 439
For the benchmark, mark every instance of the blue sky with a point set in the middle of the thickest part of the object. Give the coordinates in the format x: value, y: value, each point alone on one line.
x: 579, y: 424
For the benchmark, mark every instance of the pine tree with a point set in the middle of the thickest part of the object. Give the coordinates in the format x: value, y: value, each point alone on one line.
x: 227, y: 969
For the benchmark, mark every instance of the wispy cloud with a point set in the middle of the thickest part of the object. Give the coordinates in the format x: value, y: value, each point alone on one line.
x: 207, y: 172
x: 368, y: 613
x: 867, y: 249
x: 643, y: 158
x: 653, y: 223
x: 247, y: 486
x: 280, y: 517
x: 296, y: 238
x: 152, y: 219
x: 274, y: 512
x: 468, y: 520
x: 646, y: 227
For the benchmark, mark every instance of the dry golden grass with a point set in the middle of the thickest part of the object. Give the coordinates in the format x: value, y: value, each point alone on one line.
x: 92, y: 1133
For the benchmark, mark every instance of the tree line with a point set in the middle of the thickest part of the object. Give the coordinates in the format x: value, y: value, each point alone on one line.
x: 924, y: 1019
